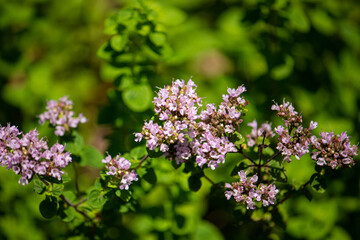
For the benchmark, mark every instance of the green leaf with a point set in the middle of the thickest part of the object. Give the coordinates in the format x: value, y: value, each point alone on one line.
x: 68, y: 214
x: 118, y: 42
x: 92, y: 157
x: 322, y: 22
x: 96, y: 199
x: 298, y: 19
x: 277, y: 171
x: 124, y: 14
x: 111, y: 25
x: 65, y: 178
x: 138, y: 152
x: 57, y: 189
x: 154, y: 153
x: 318, y: 183
x: 105, y: 51
x: 206, y: 230
x: 48, y: 207
x: 237, y: 169
x: 39, y: 186
x: 283, y: 71
x: 69, y: 195
x: 307, y: 194
x: 150, y: 176
x: 138, y: 97
x: 157, y: 38
x: 180, y: 220
x: 125, y: 195
x: 194, y: 182
x: 76, y: 145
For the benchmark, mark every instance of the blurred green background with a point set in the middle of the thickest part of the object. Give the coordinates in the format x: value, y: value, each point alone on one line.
x: 305, y: 51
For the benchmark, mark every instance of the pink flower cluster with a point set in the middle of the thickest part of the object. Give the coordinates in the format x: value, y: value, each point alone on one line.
x: 30, y: 155
x: 60, y: 115
x: 181, y: 132
x: 119, y: 167
x: 247, y: 192
x: 256, y: 133
x: 334, y: 151
x: 294, y: 139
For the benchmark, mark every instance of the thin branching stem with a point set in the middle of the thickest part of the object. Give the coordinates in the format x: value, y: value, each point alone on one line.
x: 293, y: 193
x: 212, y: 182
x: 246, y: 156
x: 142, y: 161
x: 261, y: 148
x: 75, y: 206
x: 272, y: 157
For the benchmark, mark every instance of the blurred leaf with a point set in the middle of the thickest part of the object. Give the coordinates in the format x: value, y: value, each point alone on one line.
x: 92, y: 157
x: 194, y: 182
x: 150, y: 176
x: 48, y: 207
x: 322, y: 22
x: 318, y: 183
x: 68, y: 214
x: 283, y: 71
x: 156, y: 153
x: 138, y: 97
x: 69, y: 195
x: 39, y: 186
x: 277, y: 171
x: 76, y: 146
x: 208, y: 231
x: 298, y: 18
x: 96, y: 199
x: 105, y: 52
x: 65, y: 178
x: 237, y: 169
x: 111, y: 25
x: 57, y: 189
x: 180, y: 220
x: 138, y: 152
x: 307, y: 194
x: 118, y: 42
x: 157, y: 38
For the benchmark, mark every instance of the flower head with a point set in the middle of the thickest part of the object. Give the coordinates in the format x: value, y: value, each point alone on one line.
x: 119, y: 167
x: 334, y: 150
x: 294, y: 139
x: 248, y: 193
x: 29, y: 155
x: 180, y: 132
x: 60, y: 115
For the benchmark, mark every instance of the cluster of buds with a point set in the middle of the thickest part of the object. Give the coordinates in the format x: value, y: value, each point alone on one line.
x: 247, y: 192
x: 176, y: 107
x: 182, y: 132
x: 334, y: 151
x: 30, y: 155
x: 60, y: 115
x: 119, y: 167
x: 227, y: 118
x: 294, y: 139
x: 263, y: 132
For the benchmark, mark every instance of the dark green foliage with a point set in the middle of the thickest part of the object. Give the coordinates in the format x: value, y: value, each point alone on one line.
x: 48, y: 207
x: 194, y: 181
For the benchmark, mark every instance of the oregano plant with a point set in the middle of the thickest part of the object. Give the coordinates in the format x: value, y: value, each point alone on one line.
x: 193, y: 137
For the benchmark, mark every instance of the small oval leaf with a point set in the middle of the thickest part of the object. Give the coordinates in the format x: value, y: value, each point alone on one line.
x: 48, y: 207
